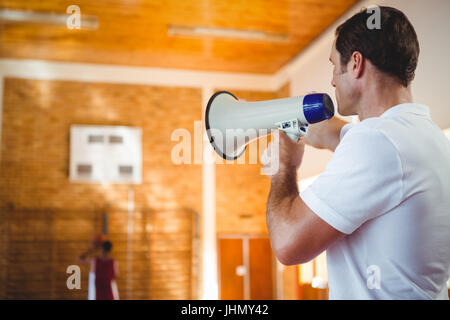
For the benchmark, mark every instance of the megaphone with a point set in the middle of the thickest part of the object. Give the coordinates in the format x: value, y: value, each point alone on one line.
x: 231, y: 125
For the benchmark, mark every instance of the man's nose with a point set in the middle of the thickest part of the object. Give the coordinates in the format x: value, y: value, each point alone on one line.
x: 332, y: 83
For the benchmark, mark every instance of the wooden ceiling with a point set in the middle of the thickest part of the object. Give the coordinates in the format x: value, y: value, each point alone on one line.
x: 135, y: 32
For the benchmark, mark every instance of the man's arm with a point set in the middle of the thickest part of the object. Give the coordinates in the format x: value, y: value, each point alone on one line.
x: 297, y: 234
x: 325, y: 134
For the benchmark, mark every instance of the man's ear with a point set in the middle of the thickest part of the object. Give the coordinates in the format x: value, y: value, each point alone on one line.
x: 357, y: 64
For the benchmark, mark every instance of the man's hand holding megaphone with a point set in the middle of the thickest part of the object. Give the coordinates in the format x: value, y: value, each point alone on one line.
x: 288, y: 153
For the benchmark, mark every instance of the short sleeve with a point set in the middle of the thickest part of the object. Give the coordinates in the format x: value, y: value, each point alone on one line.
x: 363, y: 180
x: 345, y: 129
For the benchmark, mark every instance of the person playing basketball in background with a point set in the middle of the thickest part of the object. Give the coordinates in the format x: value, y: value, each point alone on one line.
x: 104, y: 270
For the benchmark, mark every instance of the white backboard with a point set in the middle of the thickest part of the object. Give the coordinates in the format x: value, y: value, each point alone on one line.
x: 105, y: 154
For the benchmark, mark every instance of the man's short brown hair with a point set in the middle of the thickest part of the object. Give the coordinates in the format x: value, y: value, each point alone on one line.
x: 393, y: 48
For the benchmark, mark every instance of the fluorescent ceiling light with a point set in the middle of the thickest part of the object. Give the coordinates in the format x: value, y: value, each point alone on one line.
x: 196, y: 31
x: 21, y: 16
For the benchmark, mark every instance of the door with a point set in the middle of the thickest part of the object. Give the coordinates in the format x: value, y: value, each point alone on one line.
x: 245, y: 268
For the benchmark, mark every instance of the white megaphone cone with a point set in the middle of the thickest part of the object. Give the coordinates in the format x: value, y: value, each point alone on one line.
x: 231, y: 124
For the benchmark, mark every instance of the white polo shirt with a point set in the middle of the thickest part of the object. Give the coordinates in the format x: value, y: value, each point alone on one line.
x: 388, y: 188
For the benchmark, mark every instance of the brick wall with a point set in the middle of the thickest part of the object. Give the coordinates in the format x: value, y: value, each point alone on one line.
x: 48, y: 221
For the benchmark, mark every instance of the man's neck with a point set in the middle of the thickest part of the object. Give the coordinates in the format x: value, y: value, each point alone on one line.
x: 381, y: 97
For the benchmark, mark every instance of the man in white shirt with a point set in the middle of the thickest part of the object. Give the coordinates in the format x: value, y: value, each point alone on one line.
x: 381, y: 208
